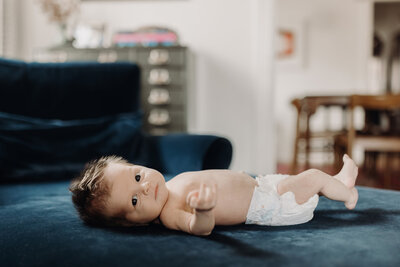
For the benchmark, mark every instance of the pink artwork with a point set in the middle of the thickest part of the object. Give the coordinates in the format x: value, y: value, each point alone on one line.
x: 289, y: 46
x: 286, y: 43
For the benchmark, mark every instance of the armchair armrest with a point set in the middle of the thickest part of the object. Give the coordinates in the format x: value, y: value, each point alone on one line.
x: 176, y: 153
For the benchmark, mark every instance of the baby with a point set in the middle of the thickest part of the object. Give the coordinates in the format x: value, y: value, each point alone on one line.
x: 111, y: 191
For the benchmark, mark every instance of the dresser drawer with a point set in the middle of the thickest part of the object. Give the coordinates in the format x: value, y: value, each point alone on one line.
x: 109, y: 55
x: 173, y: 126
x: 98, y: 55
x: 65, y: 55
x: 162, y: 116
x: 53, y: 56
x: 162, y: 57
x: 163, y: 77
x: 162, y: 96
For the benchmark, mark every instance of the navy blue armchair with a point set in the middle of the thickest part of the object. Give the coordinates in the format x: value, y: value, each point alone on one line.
x: 55, y: 117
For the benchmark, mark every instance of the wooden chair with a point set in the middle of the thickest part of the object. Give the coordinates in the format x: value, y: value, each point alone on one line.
x: 306, y: 107
x: 368, y: 142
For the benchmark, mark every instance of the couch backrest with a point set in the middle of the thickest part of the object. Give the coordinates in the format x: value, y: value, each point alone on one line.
x: 68, y: 90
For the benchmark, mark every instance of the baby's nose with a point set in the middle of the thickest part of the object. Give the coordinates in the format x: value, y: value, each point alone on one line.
x: 146, y: 187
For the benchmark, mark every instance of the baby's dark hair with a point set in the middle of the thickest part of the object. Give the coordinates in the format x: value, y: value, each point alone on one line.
x: 90, y: 193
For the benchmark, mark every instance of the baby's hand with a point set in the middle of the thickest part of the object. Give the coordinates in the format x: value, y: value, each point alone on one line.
x: 203, y: 199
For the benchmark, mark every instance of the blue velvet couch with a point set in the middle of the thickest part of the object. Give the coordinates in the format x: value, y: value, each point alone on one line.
x: 54, y: 117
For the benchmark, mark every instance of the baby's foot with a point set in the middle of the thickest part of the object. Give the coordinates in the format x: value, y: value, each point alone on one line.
x: 352, y: 202
x: 348, y: 173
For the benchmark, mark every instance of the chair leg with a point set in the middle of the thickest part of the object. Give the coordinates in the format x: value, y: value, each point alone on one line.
x: 293, y: 168
x: 372, y: 159
x: 294, y: 159
x: 387, y: 183
x: 384, y: 169
x: 368, y: 161
x: 307, y: 141
x: 338, y: 154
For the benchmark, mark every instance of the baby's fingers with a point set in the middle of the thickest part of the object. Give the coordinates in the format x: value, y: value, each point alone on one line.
x: 212, y: 197
x: 207, y: 194
x: 214, y: 188
x: 193, y: 202
x: 201, y: 192
x: 209, y: 198
x: 192, y: 195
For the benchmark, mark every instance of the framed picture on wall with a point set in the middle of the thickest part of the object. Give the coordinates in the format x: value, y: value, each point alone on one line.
x: 290, y: 46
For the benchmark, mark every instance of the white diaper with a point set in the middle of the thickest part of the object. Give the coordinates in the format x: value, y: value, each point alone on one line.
x: 267, y: 207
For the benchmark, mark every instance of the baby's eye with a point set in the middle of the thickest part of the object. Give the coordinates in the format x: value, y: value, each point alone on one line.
x: 137, y: 177
x: 134, y: 200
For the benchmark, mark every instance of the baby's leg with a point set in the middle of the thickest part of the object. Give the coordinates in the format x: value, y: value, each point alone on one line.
x: 348, y: 173
x: 311, y: 182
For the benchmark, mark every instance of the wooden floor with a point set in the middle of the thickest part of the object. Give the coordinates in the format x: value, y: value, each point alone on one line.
x: 365, y: 178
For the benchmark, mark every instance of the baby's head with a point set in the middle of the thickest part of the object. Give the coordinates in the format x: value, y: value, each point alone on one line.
x: 112, y: 192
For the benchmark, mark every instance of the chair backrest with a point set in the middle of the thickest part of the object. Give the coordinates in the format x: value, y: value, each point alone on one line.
x: 74, y: 90
x: 309, y: 104
x: 377, y: 102
x: 368, y: 102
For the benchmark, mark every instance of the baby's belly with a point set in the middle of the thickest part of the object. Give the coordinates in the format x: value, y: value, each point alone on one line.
x: 230, y: 217
x: 233, y: 208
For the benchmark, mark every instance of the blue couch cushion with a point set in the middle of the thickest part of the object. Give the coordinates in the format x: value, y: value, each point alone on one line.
x: 32, y: 148
x: 41, y: 149
x: 68, y: 91
x: 13, y: 89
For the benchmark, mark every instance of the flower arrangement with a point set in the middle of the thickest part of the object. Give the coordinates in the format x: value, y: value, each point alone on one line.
x: 59, y: 11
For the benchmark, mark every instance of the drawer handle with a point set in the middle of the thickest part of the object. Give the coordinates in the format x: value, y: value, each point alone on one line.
x: 159, y: 117
x: 159, y: 77
x: 158, y: 57
x: 158, y: 96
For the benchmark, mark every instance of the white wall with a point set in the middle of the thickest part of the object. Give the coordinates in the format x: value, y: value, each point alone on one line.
x: 231, y: 41
x: 11, y: 28
x: 337, y: 45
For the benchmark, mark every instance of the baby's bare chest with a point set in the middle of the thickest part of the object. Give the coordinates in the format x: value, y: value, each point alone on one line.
x: 234, y: 192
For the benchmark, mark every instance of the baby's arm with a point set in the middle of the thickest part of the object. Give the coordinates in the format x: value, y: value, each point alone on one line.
x: 202, y: 221
x: 203, y: 201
